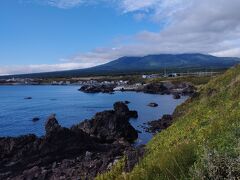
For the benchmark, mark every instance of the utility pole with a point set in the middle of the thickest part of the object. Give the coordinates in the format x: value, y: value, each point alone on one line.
x: 165, y: 72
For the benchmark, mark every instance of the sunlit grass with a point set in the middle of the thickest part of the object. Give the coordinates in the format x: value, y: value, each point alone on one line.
x: 206, y: 124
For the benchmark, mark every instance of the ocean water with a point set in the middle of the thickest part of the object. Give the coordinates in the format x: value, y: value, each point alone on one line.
x: 72, y: 107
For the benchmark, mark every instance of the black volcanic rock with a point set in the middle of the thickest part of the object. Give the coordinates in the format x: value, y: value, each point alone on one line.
x: 127, y: 102
x: 176, y: 96
x: 28, y: 98
x: 153, y: 104
x: 155, y: 88
x: 133, y: 156
x: 133, y: 114
x: 81, y: 151
x: 97, y: 88
x: 51, y: 124
x: 157, y: 125
x: 169, y: 88
x: 35, y: 119
x: 109, y: 126
x: 122, y: 109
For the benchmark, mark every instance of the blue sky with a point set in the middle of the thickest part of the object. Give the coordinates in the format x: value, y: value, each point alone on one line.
x: 37, y: 33
x: 49, y: 35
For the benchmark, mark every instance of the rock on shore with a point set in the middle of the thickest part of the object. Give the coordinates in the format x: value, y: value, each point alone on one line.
x: 81, y: 151
x: 182, y: 88
x: 168, y: 88
x: 176, y: 96
x: 155, y: 88
x: 160, y: 124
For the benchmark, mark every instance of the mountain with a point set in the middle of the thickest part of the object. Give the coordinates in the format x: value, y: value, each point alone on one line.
x: 169, y: 61
x: 150, y: 63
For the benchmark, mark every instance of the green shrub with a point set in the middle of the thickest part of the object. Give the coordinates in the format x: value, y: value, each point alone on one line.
x: 214, y: 166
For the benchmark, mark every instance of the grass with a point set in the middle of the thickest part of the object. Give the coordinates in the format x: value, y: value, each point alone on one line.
x: 203, y: 142
x: 195, y: 80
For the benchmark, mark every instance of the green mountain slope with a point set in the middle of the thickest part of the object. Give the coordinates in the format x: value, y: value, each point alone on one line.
x: 150, y: 63
x: 204, y: 141
x: 171, y: 61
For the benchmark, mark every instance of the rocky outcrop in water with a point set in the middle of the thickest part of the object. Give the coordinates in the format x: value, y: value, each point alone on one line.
x: 79, y: 152
x: 28, y: 98
x: 127, y: 102
x: 153, y: 104
x: 109, y: 126
x: 35, y: 119
x: 97, y: 88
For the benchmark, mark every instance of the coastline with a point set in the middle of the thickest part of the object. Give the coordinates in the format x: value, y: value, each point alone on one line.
x: 100, y: 149
x: 100, y: 141
x: 75, y: 148
x: 116, y: 149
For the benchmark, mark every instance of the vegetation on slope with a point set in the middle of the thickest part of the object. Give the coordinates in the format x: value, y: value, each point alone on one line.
x: 195, y: 80
x: 204, y: 141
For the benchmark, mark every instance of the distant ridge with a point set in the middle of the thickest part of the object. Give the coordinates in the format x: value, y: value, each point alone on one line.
x: 149, y: 63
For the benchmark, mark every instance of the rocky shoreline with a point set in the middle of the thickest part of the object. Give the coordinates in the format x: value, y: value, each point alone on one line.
x: 176, y: 89
x: 160, y: 124
x: 79, y: 152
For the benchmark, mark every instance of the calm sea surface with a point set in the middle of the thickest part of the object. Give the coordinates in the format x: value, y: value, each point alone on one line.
x: 71, y: 107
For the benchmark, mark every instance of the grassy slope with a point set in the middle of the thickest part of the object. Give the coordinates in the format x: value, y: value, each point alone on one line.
x: 195, y: 80
x: 203, y: 143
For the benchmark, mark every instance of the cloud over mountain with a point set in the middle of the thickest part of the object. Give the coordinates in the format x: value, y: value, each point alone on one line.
x: 193, y: 26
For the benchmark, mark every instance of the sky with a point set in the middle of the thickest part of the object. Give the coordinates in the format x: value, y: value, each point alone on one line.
x: 52, y: 35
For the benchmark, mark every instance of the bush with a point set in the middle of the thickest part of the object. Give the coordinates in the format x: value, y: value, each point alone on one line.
x: 215, y: 166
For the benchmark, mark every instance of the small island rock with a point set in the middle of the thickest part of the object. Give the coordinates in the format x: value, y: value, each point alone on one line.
x: 28, y: 98
x: 35, y: 119
x: 153, y: 104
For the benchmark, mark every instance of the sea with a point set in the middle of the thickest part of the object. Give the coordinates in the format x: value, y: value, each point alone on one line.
x: 72, y: 106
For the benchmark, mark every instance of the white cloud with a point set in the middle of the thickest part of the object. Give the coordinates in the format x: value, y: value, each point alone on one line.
x: 20, y: 69
x: 235, y: 52
x: 157, y: 10
x: 197, y: 26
